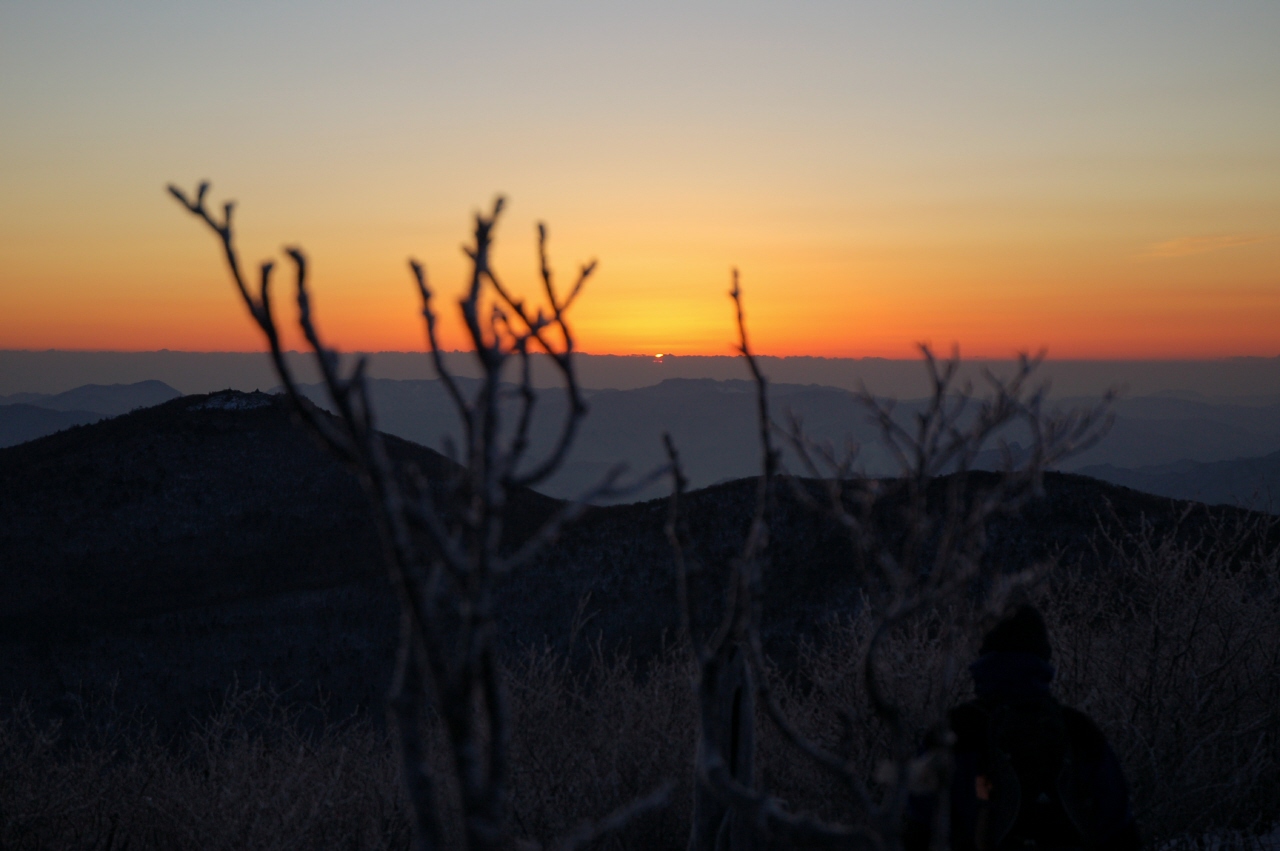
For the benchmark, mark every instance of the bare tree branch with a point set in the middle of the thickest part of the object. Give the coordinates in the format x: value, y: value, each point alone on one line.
x: 916, y: 544
x: 590, y: 832
x: 444, y: 539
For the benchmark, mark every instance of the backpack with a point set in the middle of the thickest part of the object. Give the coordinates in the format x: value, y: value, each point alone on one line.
x: 1030, y: 795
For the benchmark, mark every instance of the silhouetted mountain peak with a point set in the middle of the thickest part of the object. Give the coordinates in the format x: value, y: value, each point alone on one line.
x: 233, y: 400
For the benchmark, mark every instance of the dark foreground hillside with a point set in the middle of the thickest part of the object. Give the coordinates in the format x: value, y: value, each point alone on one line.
x: 176, y: 549
x: 158, y: 566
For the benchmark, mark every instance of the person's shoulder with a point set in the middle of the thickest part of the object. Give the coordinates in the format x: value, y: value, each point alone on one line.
x: 1084, y: 734
x: 969, y: 723
x: 971, y: 710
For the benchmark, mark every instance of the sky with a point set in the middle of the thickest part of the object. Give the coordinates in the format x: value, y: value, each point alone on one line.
x: 1098, y: 179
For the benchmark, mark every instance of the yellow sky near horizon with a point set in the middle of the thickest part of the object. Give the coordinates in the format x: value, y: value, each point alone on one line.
x: 1099, y: 182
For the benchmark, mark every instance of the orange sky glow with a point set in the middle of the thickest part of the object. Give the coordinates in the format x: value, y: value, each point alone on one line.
x: 1064, y: 178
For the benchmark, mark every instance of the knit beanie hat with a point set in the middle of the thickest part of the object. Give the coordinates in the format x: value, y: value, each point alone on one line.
x: 1021, y: 632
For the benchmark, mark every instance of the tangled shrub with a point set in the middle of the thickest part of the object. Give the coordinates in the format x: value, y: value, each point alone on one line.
x: 1171, y: 644
x: 249, y: 777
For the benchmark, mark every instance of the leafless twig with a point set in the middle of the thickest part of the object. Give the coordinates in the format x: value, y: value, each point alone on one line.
x: 916, y: 544
x: 444, y: 540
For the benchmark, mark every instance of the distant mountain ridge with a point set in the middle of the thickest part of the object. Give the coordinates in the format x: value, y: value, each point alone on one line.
x: 27, y: 416
x: 204, y: 372
x: 107, y: 399
x: 1172, y: 444
x: 713, y: 421
x: 20, y: 422
x: 1252, y: 483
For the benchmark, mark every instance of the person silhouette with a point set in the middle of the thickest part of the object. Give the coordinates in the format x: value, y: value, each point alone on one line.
x: 1029, y: 773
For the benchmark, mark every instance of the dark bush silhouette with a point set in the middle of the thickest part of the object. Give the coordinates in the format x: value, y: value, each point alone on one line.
x: 444, y: 539
x: 1196, y: 731
x: 915, y: 547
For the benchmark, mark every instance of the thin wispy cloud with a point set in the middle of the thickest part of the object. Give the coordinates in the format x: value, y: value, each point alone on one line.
x: 1187, y: 245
